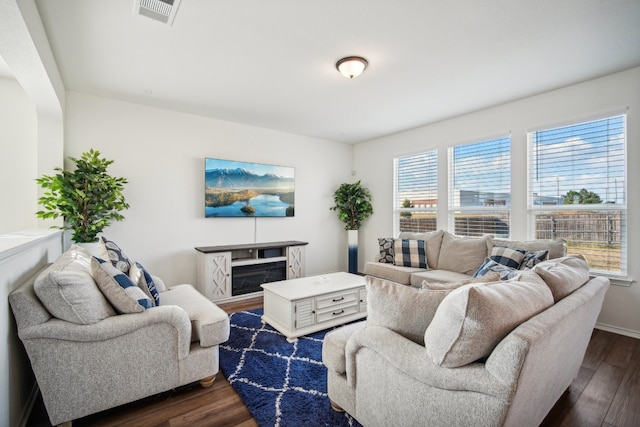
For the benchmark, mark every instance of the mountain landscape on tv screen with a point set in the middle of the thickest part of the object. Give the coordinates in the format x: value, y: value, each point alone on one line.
x: 243, y: 192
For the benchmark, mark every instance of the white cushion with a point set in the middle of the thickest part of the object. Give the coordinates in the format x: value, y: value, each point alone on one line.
x: 473, y: 319
x: 563, y: 275
x: 462, y: 254
x: 209, y: 323
x: 403, y: 309
x: 68, y: 291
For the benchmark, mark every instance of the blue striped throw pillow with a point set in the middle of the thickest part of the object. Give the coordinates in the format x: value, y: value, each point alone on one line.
x: 410, y: 253
x: 122, y: 293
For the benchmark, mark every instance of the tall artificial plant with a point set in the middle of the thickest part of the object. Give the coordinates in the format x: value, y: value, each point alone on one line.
x: 88, y: 197
x: 353, y: 204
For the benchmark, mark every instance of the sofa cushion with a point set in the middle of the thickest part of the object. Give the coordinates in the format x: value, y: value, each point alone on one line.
x: 396, y: 273
x: 68, y: 291
x: 491, y: 266
x: 491, y: 277
x: 403, y: 309
x: 108, y: 249
x: 505, y: 255
x: 209, y: 323
x: 334, y: 345
x: 532, y: 258
x: 441, y: 276
x: 386, y: 250
x: 410, y: 253
x: 473, y: 319
x: 121, y: 292
x: 462, y: 254
x: 141, y: 277
x: 433, y: 240
x: 557, y: 248
x: 563, y: 275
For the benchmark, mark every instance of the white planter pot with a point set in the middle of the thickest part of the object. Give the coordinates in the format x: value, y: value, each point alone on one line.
x: 92, y: 247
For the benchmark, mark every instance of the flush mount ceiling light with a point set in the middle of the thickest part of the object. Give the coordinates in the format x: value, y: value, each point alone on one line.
x: 351, y: 66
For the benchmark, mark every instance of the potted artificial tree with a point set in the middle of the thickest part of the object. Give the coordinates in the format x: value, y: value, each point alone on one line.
x: 353, y: 205
x: 88, y: 198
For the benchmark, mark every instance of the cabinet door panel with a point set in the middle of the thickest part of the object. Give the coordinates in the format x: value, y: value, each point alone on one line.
x: 219, y: 274
x: 304, y: 314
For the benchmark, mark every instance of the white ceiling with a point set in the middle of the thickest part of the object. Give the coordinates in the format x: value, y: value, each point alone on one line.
x: 271, y: 63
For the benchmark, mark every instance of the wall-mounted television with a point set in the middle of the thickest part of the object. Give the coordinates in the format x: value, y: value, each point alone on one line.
x: 243, y: 189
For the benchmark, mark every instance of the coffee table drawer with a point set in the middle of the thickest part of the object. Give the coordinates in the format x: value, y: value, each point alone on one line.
x: 337, y: 299
x: 323, y: 316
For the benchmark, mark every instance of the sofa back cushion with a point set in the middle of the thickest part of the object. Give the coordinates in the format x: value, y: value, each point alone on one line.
x: 462, y: 254
x: 563, y: 275
x: 473, y: 319
x: 68, y: 291
x: 403, y: 309
x: 433, y: 240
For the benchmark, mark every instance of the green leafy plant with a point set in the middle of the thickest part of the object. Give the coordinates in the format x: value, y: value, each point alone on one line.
x: 88, y: 198
x: 582, y: 197
x: 406, y: 204
x: 353, y: 204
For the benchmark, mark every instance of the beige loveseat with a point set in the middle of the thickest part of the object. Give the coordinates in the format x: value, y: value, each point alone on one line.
x: 88, y: 356
x: 491, y: 353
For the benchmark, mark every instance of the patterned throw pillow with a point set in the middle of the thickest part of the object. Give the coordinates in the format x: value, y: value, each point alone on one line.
x: 122, y: 293
x: 139, y: 275
x: 386, y: 250
x: 489, y: 266
x: 109, y: 250
x: 531, y: 259
x: 511, y: 257
x: 410, y: 253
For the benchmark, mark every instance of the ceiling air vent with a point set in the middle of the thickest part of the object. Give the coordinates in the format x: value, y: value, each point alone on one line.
x: 159, y: 10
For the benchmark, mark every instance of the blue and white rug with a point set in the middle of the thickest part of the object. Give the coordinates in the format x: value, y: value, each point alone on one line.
x: 282, y: 383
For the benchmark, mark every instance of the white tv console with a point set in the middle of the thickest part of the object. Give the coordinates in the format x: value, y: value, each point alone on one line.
x: 234, y: 272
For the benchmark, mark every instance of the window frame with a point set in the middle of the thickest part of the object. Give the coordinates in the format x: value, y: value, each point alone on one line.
x: 533, y: 209
x: 455, y: 211
x: 429, y: 211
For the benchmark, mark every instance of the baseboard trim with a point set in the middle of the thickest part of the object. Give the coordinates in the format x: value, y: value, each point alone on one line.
x: 618, y: 330
x: 31, y: 401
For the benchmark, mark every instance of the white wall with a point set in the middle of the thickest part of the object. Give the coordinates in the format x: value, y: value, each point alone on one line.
x: 162, y: 154
x: 18, y: 153
x: 373, y: 161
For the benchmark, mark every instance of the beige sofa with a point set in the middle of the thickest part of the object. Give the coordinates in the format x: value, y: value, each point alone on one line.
x: 88, y: 356
x: 491, y: 353
x: 451, y: 258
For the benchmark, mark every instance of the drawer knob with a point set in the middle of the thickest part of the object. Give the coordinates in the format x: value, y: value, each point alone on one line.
x: 335, y: 313
x: 337, y: 299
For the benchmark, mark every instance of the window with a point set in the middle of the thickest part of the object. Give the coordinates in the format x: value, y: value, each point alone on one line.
x: 577, y: 190
x: 480, y: 188
x: 416, y: 192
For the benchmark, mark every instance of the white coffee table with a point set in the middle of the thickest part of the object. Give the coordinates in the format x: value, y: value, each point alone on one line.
x: 309, y: 304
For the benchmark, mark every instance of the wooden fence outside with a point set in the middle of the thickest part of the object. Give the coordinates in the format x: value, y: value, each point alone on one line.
x: 598, y: 228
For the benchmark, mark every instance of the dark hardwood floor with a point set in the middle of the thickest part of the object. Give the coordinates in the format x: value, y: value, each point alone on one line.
x: 606, y: 393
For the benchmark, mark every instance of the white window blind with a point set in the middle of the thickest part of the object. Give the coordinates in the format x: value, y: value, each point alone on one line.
x: 577, y: 189
x: 416, y: 192
x: 480, y: 188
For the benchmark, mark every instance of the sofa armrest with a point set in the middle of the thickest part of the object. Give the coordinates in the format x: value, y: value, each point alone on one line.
x: 114, y: 327
x: 412, y: 359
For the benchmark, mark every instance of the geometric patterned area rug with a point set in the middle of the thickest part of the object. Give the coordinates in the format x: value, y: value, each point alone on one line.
x: 283, y: 384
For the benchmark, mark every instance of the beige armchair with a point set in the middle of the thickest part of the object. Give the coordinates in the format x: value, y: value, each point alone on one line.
x: 86, y: 368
